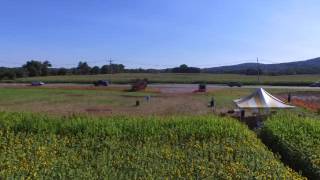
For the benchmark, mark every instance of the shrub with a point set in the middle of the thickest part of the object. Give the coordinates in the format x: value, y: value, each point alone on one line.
x: 133, y: 148
x: 297, y: 139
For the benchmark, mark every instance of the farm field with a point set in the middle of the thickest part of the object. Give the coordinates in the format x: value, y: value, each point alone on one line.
x: 297, y: 139
x: 159, y: 90
x: 124, y: 78
x: 97, y: 102
x: 196, y: 147
x: 73, y: 131
x: 92, y: 101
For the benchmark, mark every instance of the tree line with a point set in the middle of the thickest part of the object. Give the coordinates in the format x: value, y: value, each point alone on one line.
x: 35, y: 68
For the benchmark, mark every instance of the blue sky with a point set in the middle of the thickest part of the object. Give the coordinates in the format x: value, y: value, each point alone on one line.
x: 158, y: 33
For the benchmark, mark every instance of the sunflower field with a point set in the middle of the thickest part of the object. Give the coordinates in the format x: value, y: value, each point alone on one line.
x: 296, y: 139
x: 178, y: 147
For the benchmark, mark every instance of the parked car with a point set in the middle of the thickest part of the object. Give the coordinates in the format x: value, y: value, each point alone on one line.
x: 101, y: 83
x: 139, y: 84
x: 37, y: 83
x: 201, y: 88
x: 316, y: 84
x: 231, y: 84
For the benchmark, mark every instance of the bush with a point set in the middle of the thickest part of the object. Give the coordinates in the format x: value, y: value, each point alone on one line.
x: 297, y: 139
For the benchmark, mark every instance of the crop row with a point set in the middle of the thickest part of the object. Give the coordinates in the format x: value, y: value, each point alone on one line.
x: 196, y: 147
x: 297, y: 140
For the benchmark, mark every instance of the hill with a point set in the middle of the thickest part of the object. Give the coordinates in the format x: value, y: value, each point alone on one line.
x: 311, y: 66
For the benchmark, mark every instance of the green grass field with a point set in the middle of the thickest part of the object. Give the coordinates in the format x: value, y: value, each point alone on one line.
x: 297, y: 139
x: 92, y: 101
x: 55, y: 101
x: 196, y: 147
x: 298, y: 80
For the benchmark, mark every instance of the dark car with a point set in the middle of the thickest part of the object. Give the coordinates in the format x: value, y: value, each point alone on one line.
x: 139, y: 84
x: 37, y: 83
x: 231, y: 84
x: 101, y: 83
x: 202, y: 88
x: 316, y: 84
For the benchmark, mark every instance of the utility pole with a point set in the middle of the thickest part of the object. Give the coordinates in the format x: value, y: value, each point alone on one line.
x: 258, y: 69
x: 110, y: 65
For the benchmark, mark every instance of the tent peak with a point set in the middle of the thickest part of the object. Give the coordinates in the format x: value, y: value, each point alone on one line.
x: 261, y: 99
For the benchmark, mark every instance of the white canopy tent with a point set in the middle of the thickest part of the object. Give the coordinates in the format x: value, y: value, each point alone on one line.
x: 261, y: 99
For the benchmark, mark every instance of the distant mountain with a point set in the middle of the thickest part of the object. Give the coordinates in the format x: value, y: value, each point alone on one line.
x: 311, y: 66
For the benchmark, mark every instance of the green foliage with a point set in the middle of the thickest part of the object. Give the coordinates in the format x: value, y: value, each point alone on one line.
x: 113, y: 68
x: 95, y: 70
x: 83, y: 68
x: 194, y: 147
x: 183, y: 68
x: 37, y: 68
x: 297, y: 139
x: 11, y: 73
x: 62, y: 71
x: 180, y: 78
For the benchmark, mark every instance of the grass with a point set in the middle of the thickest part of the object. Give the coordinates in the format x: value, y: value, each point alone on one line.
x: 178, y: 147
x: 297, y: 139
x: 122, y: 78
x: 224, y: 97
x: 18, y: 95
x: 66, y: 101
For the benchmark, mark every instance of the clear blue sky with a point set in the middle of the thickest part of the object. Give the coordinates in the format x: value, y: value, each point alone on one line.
x: 158, y: 33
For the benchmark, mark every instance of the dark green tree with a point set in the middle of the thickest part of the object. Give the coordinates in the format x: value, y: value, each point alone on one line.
x: 33, y: 68
x: 83, y: 68
x: 113, y: 68
x: 183, y: 67
x: 45, y: 68
x: 95, y: 70
x: 20, y: 72
x: 37, y: 68
x: 62, y: 71
x: 104, y: 69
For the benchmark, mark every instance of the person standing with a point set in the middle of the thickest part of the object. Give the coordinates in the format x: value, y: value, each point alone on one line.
x: 289, y: 97
x: 147, y: 98
x: 212, y: 104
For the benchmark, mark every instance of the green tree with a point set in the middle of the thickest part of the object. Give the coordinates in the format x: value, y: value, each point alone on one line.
x: 33, y: 68
x: 20, y: 72
x: 183, y: 67
x: 113, y: 68
x: 116, y: 68
x: 45, y: 68
x: 37, y: 68
x: 95, y: 70
x: 62, y: 71
x: 83, y: 68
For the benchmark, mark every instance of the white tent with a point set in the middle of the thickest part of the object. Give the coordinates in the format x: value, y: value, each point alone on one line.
x: 261, y: 99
